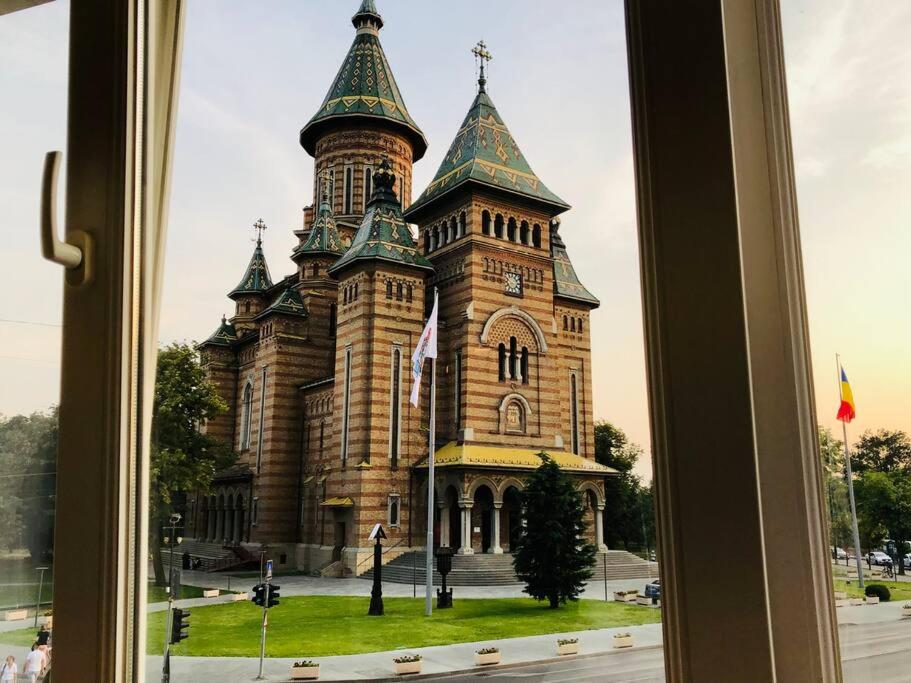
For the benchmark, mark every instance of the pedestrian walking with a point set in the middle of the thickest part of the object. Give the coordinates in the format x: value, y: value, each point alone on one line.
x: 9, y: 670
x: 35, y: 662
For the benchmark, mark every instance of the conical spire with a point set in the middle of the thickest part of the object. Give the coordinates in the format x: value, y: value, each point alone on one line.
x: 364, y: 88
x: 383, y: 234
x: 256, y: 278
x: 566, y: 282
x: 484, y: 152
x: 225, y: 335
x: 324, y: 237
x: 289, y: 302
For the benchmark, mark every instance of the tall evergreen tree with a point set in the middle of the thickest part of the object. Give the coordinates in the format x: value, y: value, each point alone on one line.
x: 552, y: 556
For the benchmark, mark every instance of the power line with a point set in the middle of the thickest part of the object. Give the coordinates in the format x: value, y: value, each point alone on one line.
x: 29, y: 322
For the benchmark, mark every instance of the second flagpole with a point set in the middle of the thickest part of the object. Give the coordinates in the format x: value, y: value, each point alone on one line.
x: 428, y: 601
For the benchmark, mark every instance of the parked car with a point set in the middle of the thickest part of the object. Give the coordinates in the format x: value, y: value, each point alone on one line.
x: 839, y: 554
x: 653, y: 589
x: 906, y: 560
x: 879, y: 557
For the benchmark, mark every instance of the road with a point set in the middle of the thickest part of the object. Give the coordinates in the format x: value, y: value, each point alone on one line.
x: 878, y: 652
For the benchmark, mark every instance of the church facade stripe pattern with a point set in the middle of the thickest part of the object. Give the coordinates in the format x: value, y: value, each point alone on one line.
x: 313, y: 367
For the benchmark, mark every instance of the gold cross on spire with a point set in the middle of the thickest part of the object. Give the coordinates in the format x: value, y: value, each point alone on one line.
x: 259, y: 226
x: 482, y: 56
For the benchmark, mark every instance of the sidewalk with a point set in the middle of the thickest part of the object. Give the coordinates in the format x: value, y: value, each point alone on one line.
x: 379, y: 665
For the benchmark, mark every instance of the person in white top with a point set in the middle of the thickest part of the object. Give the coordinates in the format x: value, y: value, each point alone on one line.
x: 35, y: 662
x: 9, y: 670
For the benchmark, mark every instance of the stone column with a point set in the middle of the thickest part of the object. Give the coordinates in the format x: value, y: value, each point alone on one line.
x: 229, y: 524
x: 238, y: 524
x: 599, y: 529
x: 465, y: 547
x: 211, y: 514
x: 495, y: 547
x: 219, y: 523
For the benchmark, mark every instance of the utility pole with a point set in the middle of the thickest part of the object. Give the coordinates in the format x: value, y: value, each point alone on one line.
x: 166, y: 664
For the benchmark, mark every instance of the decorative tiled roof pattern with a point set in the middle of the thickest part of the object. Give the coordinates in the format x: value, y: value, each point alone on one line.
x: 365, y: 87
x: 485, y: 152
x: 454, y: 454
x: 383, y: 234
x: 256, y: 278
x: 324, y: 237
x: 289, y: 302
x: 566, y: 282
x: 225, y: 335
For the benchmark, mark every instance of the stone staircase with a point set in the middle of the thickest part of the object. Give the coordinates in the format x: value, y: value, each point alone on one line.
x: 496, y: 570
x: 212, y: 556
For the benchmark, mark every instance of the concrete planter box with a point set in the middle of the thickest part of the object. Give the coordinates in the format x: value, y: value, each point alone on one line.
x: 856, y: 601
x: 17, y: 614
x: 840, y: 595
x: 842, y: 603
x: 642, y: 600
x: 906, y: 611
x: 240, y: 597
x: 213, y: 593
x: 625, y: 597
x: 568, y: 649
x: 304, y: 673
x: 407, y: 667
x: 487, y: 658
x: 872, y: 600
x: 621, y: 642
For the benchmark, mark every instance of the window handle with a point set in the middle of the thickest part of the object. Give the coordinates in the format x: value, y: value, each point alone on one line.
x: 74, y: 255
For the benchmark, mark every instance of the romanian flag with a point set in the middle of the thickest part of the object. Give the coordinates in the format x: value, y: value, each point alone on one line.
x: 846, y: 410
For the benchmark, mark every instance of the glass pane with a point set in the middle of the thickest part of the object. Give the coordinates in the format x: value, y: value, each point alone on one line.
x: 285, y: 431
x: 847, y: 70
x: 33, y: 51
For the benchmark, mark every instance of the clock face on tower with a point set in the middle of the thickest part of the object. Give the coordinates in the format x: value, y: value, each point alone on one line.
x: 513, y: 284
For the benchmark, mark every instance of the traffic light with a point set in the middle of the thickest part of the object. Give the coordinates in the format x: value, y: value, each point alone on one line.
x: 273, y: 595
x: 180, y: 621
x: 259, y: 594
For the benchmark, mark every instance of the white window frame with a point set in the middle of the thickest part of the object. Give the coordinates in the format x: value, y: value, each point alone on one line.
x: 396, y: 498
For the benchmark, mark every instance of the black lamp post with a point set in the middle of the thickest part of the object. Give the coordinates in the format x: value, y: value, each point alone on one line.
x: 444, y: 566
x: 376, y: 595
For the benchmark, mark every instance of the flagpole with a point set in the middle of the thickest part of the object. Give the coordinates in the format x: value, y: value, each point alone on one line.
x: 850, y: 478
x: 431, y: 481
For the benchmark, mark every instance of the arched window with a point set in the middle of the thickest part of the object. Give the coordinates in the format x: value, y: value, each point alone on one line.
x: 574, y: 408
x: 572, y: 324
x: 394, y: 510
x: 515, y: 418
x: 579, y: 326
x: 453, y: 231
x: 409, y: 294
x: 462, y: 225
x: 511, y: 230
x: 246, y: 307
x: 565, y: 323
x: 457, y: 381
x: 441, y: 236
x: 349, y: 189
x: 346, y: 407
x: 485, y: 222
x: 513, y: 370
x: 333, y: 319
x: 399, y: 291
x: 536, y: 236
x: 388, y: 289
x: 246, y: 418
x: 395, y: 412
x: 368, y: 185
x: 316, y: 270
x: 426, y: 242
x: 523, y: 232
x: 355, y: 290
x: 524, y: 365
x: 498, y: 226
x: 502, y: 361
x: 332, y: 189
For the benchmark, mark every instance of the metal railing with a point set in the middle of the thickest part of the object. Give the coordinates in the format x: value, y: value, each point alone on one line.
x: 386, y: 549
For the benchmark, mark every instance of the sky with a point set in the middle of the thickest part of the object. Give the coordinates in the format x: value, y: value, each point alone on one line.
x: 254, y: 73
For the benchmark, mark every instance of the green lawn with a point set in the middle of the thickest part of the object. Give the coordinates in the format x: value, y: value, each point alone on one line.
x: 159, y: 594
x: 900, y: 591
x: 25, y: 595
x: 320, y: 626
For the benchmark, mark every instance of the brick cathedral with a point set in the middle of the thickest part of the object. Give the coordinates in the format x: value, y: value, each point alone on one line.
x: 315, y: 367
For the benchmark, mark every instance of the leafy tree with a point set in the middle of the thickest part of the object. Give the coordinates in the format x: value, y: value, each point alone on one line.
x: 627, y: 507
x: 183, y: 458
x: 883, y: 507
x: 552, y: 556
x: 832, y: 453
x: 28, y: 467
x: 882, y: 451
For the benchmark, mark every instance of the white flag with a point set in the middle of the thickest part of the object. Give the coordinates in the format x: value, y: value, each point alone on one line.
x: 426, y: 348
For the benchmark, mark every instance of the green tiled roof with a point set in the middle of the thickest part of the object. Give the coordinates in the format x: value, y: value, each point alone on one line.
x: 364, y: 88
x: 383, y: 234
x: 566, y: 282
x: 289, y: 302
x: 485, y: 152
x: 225, y: 335
x: 324, y: 237
x: 256, y: 279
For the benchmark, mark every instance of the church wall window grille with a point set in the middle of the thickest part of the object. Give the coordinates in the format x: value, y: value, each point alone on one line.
x: 262, y: 420
x: 395, y: 408
x: 395, y: 508
x: 346, y: 406
x: 574, y: 410
x: 368, y: 185
x: 349, y: 189
x: 457, y: 381
x: 246, y: 416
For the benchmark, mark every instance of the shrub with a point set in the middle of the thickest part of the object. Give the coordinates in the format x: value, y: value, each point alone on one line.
x: 305, y: 664
x: 622, y: 635
x: 567, y: 641
x: 488, y: 650
x: 877, y: 590
x: 405, y: 659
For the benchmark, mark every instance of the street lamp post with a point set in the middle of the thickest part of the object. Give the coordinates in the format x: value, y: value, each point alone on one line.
x: 174, y: 520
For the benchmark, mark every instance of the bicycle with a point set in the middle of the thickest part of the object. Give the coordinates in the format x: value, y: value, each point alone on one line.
x: 888, y: 572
